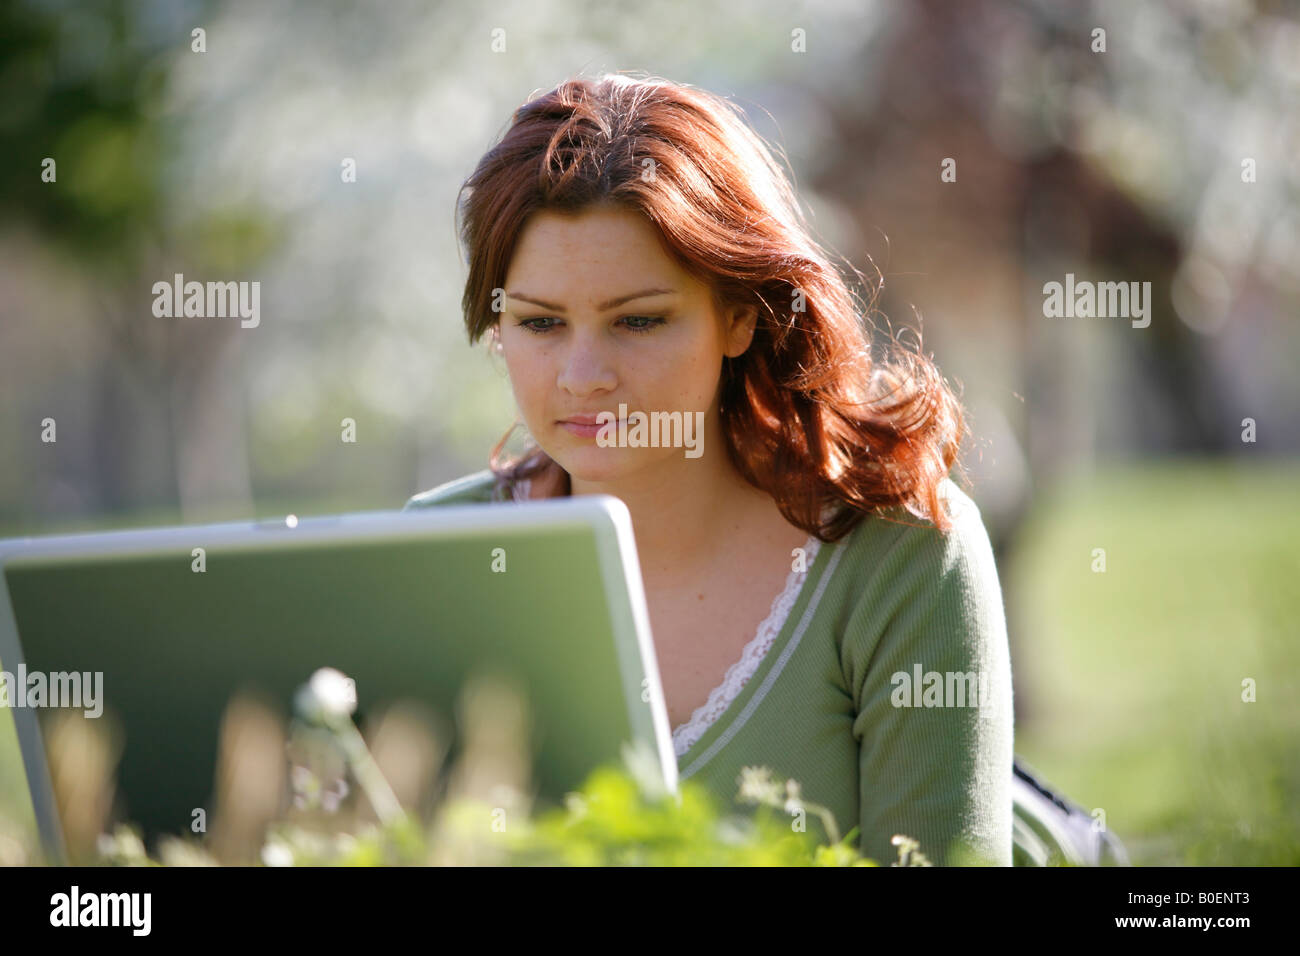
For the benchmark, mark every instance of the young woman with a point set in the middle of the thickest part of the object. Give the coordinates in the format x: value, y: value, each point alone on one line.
x: 823, y: 598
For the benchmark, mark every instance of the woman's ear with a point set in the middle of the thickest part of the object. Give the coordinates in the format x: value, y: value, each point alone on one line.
x: 740, y: 329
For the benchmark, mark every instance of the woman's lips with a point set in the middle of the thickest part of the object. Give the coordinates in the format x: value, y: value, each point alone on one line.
x: 582, y: 430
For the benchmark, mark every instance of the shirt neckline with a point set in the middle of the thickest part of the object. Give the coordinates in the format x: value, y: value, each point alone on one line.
x: 738, y: 675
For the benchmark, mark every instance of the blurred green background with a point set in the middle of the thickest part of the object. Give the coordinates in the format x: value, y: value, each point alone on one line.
x: 1129, y: 682
x: 1126, y: 163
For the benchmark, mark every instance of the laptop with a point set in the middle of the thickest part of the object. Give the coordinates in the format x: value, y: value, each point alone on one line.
x: 410, y: 606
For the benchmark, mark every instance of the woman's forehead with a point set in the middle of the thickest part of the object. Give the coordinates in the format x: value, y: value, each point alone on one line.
x: 604, y: 230
x: 594, y: 256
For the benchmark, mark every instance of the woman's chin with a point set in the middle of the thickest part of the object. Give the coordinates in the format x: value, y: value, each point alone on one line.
x: 597, y: 465
x: 592, y: 473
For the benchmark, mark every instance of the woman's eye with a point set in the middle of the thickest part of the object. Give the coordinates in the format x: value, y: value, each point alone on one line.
x: 634, y: 323
x: 650, y: 321
x: 537, y: 330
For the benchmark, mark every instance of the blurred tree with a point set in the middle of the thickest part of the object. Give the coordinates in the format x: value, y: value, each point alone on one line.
x: 75, y: 83
x: 85, y: 146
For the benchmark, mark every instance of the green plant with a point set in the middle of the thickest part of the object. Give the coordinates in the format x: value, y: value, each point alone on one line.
x: 621, y: 816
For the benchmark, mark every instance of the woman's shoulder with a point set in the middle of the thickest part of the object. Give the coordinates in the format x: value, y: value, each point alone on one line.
x: 479, y: 487
x: 891, y: 526
x: 898, y: 551
x: 911, y: 593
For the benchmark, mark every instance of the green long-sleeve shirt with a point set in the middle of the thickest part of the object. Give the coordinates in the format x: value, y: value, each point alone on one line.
x: 886, y: 694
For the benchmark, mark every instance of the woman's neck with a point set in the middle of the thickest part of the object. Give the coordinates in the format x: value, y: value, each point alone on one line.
x: 684, y: 517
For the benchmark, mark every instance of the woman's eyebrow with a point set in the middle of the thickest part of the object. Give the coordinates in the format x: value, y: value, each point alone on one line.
x: 608, y: 304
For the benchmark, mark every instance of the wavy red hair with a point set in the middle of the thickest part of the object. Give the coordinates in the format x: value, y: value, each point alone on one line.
x: 809, y: 415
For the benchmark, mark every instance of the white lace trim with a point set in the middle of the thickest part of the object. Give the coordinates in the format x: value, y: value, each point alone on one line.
x: 739, y: 673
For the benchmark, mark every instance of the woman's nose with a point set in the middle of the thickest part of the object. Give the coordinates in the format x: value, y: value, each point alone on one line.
x: 586, y: 368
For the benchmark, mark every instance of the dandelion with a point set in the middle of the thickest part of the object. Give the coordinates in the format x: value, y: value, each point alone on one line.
x: 329, y: 699
x: 277, y: 854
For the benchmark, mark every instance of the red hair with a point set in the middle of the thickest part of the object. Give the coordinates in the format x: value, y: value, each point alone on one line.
x: 808, y: 415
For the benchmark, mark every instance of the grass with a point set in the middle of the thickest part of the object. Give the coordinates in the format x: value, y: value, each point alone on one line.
x: 1134, y: 676
x: 264, y: 509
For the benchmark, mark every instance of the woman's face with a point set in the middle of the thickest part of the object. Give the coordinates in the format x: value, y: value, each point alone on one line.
x: 596, y: 315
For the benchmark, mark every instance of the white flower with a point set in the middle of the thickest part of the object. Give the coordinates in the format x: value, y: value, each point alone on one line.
x: 330, y: 695
x: 758, y: 786
x: 277, y: 854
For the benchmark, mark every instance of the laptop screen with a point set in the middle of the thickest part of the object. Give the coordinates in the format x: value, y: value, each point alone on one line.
x: 161, y: 636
